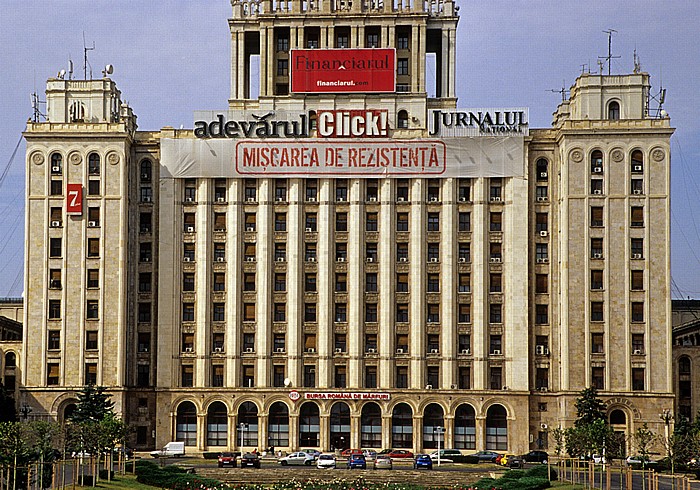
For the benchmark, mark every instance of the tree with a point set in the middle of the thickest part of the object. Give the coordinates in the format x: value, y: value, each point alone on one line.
x: 558, y: 436
x: 93, y: 405
x: 589, y: 407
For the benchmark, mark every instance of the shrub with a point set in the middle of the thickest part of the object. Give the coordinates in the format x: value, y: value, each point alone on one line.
x: 513, y: 475
x: 541, y: 472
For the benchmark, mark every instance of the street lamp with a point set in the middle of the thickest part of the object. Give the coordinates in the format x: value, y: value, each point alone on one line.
x: 667, y: 417
x: 438, y: 431
x: 241, y: 428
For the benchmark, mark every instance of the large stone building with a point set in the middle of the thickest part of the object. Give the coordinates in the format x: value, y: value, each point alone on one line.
x: 339, y: 260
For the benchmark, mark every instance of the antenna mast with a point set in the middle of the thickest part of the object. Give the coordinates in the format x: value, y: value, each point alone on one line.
x: 85, y: 58
x: 563, y: 91
x: 609, y: 57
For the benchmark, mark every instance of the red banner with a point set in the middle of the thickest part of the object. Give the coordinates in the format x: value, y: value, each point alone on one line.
x: 343, y: 70
x: 74, y: 199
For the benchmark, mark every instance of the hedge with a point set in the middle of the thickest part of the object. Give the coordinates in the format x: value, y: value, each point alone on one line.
x: 532, y: 479
x: 173, y: 477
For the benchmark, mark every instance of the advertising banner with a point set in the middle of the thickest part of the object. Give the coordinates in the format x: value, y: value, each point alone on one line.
x: 342, y: 70
x: 74, y: 199
x: 484, y: 156
x: 346, y: 396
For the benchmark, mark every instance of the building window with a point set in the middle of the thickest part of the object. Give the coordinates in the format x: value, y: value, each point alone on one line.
x: 542, y: 378
x: 596, y: 248
x: 541, y: 283
x: 310, y: 252
x: 613, y: 110
x: 188, y: 312
x: 401, y: 282
x: 310, y: 282
x: 542, y: 193
x: 340, y: 342
x: 217, y: 375
x: 341, y: 282
x: 433, y: 313
x: 56, y: 187
x: 54, y: 340
x: 370, y: 376
x: 55, y: 279
x: 637, y: 311
x: 495, y: 222
x: 146, y: 194
x: 596, y: 186
x: 638, y: 343
x: 280, y: 252
x: 464, y: 313
x: 310, y: 222
x: 219, y: 312
x: 597, y: 280
x: 495, y: 252
x: 145, y: 253
x: 402, y: 252
x: 54, y: 309
x: 188, y: 281
x: 402, y: 66
x: 402, y: 119
x: 464, y: 378
x: 496, y: 378
x: 144, y: 312
x: 495, y: 313
x: 52, y: 374
x: 596, y: 216
x: 187, y: 376
x: 249, y: 342
x: 55, y: 247
x: 597, y: 343
x: 93, y: 309
x: 433, y: 221
x: 217, y: 342
x: 282, y: 43
x: 371, y: 223
x: 402, y: 313
x: 637, y: 280
x: 309, y: 312
x: 541, y: 314
x: 432, y: 377
x: 372, y: 40
x: 311, y: 189
x: 371, y: 252
x: 278, y: 375
x: 282, y: 67
x: 90, y: 373
x: 495, y: 189
x: 341, y: 221
x: 341, y: 314
x: 596, y: 311
x: 340, y: 377
x: 464, y: 222
x: 433, y: 283
x: 248, y: 374
x: 433, y: 252
x: 637, y: 217
x: 464, y: 283
x: 495, y: 281
x: 309, y: 376
x: 402, y: 39
x: 598, y: 378
x: 637, y: 379
x: 93, y: 247
x: 495, y: 345
x: 402, y: 376
x: 541, y: 167
x: 280, y: 312
x: 280, y: 190
x: 342, y: 39
x: 219, y: 281
x: 542, y: 253
x: 144, y: 342
x: 637, y: 186
x: 402, y: 222
x: 637, y: 248
x: 371, y: 282
x: 433, y: 343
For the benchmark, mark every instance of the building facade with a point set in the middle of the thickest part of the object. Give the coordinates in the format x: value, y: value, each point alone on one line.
x: 328, y: 265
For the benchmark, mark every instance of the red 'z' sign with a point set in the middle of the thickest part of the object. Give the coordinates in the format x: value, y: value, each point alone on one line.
x: 74, y: 199
x: 343, y: 70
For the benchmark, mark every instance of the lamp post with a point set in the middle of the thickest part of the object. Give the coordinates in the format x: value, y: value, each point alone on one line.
x: 667, y: 417
x: 241, y: 428
x: 438, y: 431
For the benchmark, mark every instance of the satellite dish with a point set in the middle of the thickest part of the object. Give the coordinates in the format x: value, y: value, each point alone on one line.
x: 287, y: 382
x: 109, y: 69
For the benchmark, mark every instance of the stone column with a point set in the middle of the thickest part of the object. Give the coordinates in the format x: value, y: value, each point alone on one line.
x: 355, y: 436
x: 263, y: 437
x: 448, y: 440
x: 481, y: 432
x: 293, y: 432
x: 417, y: 432
x: 201, y: 430
x: 232, y: 424
x: 386, y: 430
x: 324, y: 436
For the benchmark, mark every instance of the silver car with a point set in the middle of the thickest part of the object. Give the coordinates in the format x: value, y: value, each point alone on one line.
x: 300, y: 458
x: 383, y: 462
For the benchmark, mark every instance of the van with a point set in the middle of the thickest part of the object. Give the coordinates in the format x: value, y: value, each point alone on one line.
x: 170, y: 450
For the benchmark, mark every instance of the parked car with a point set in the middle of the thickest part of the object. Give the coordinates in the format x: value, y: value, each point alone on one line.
x: 640, y: 462
x: 346, y: 453
x: 383, y: 462
x: 515, y: 462
x: 250, y: 460
x: 445, y: 454
x: 171, y: 449
x: 299, y: 458
x: 499, y: 458
x: 385, y: 451
x: 400, y: 453
x: 357, y: 461
x: 486, y: 456
x: 370, y: 455
x: 227, y: 459
x: 325, y: 461
x: 505, y: 459
x: 422, y: 461
x: 536, y: 457
x: 313, y: 452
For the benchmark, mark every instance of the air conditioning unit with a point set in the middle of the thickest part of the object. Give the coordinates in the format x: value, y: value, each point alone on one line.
x: 637, y: 352
x: 399, y: 350
x: 428, y: 387
x: 637, y: 192
x: 55, y: 224
x: 186, y: 259
x: 541, y: 350
x: 637, y: 168
x: 189, y: 229
x: 433, y: 259
x: 145, y: 176
x: 542, y: 261
x: 543, y: 175
x: 462, y: 259
x: 495, y: 199
x: 308, y: 230
x: 220, y: 199
x: 636, y: 256
x: 218, y: 349
x: 597, y: 192
x: 434, y: 351
x: 312, y: 259
x: 544, y: 389
x: 466, y: 352
x: 543, y: 233
x: 453, y: 387
x: 55, y: 283
x: 311, y: 199
x: 338, y: 350
x: 220, y: 230
x: 146, y: 199
x: 280, y: 350
x: 250, y: 259
x: 56, y: 169
x: 279, y: 199
x: 341, y: 259
x: 250, y: 199
x: 250, y: 228
x: 280, y: 259
x: 92, y: 224
x: 372, y: 199
x: 146, y: 259
x: 433, y: 199
x: 541, y: 199
x: 311, y: 350
x: 597, y: 256
x: 495, y: 260
x: 403, y: 259
x: 188, y: 349
x: 370, y: 259
x: 597, y: 170
x: 189, y: 199
x: 462, y: 199
x: 249, y: 349
x: 220, y: 259
x: 400, y: 199
x: 496, y: 352
x: 371, y: 350
x: 543, y: 426
x: 341, y: 199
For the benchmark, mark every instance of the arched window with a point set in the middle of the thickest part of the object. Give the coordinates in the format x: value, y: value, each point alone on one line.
x: 433, y: 426
x: 186, y: 424
x: 217, y: 425
x: 248, y: 416
x: 309, y: 425
x: 68, y: 411
x: 56, y: 163
x: 402, y: 120
x: 684, y: 365
x: 94, y: 164
x: 496, y: 428
x: 465, y: 427
x: 402, y: 426
x: 77, y: 111
x: 637, y: 162
x: 614, y: 110
x: 371, y: 426
x: 597, y: 162
x: 542, y: 170
x: 618, y: 417
x: 146, y: 171
x: 340, y: 426
x: 10, y: 360
x: 278, y: 425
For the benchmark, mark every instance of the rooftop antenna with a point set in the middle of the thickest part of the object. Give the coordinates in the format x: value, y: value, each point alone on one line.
x: 70, y: 68
x: 637, y: 64
x: 563, y: 91
x: 609, y: 57
x: 36, y: 112
x: 85, y: 58
x: 583, y: 68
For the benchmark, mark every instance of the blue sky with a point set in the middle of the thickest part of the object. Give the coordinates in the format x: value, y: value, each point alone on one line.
x: 171, y: 58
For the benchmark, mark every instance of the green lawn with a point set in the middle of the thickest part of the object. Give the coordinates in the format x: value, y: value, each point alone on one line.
x: 122, y: 482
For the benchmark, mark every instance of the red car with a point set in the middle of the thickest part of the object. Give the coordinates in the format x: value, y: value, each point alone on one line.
x: 498, y: 458
x: 349, y: 452
x: 227, y: 459
x: 400, y: 453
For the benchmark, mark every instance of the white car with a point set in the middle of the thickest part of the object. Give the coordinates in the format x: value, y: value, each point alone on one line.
x: 300, y: 458
x: 325, y: 461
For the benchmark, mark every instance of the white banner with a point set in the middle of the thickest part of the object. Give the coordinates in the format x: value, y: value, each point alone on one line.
x: 482, y: 156
x: 347, y: 396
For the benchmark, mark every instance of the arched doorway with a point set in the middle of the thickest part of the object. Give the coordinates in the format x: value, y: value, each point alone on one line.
x: 433, y: 426
x: 402, y: 426
x: 248, y: 416
x: 618, y: 424
x: 186, y: 424
x: 340, y: 426
x: 68, y: 412
x: 309, y: 425
x: 465, y: 427
x: 217, y: 425
x: 278, y: 425
x: 371, y: 426
x: 496, y: 428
